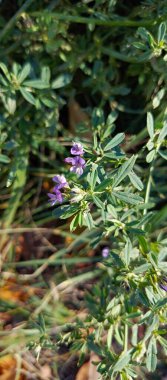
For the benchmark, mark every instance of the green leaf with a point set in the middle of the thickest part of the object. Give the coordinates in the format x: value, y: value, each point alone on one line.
x: 88, y: 220
x: 112, y: 211
x: 124, y: 170
x: 145, y: 219
x: 11, y: 104
x: 150, y: 156
x: 97, y: 117
x: 134, y: 337
x: 122, y: 362
x: 92, y: 176
x: 69, y: 211
x: 45, y: 74
x: 74, y: 223
x: 163, y: 154
x: 36, y: 83
x: 127, y: 252
x: 109, y: 124
x: 150, y: 294
x: 3, y: 67
x: 4, y: 159
x: 151, y: 327
x: 159, y: 304
x: 150, y: 124
x: 61, y: 81
x: 161, y: 31
x: 115, y: 154
x: 128, y: 197
x: 98, y: 202
x: 115, y: 141
x: 94, y: 347
x: 28, y: 96
x: 136, y: 181
x: 151, y: 360
x: 158, y: 97
x: 162, y: 134
x: 48, y: 102
x: 112, y: 117
x: 24, y: 73
x: 142, y: 268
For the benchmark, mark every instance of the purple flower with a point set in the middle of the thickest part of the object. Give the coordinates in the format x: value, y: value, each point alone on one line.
x: 105, y: 252
x: 77, y: 149
x: 56, y: 197
x: 77, y: 163
x: 61, y: 181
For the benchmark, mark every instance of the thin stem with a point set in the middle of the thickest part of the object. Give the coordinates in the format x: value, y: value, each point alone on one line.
x: 53, y: 261
x: 12, y: 21
x: 126, y: 338
x: 96, y: 21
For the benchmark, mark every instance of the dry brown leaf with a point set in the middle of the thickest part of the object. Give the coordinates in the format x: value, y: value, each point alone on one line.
x: 8, y: 366
x: 76, y: 115
x: 11, y: 291
x: 88, y: 370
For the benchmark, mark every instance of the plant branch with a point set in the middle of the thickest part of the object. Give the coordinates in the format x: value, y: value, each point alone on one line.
x: 95, y: 21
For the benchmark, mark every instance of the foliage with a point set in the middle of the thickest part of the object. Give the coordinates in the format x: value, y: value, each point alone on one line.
x: 110, y: 58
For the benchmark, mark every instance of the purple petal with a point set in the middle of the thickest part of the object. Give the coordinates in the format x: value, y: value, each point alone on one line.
x: 79, y: 161
x: 164, y: 287
x: 105, y: 252
x: 61, y: 181
x: 76, y: 169
x: 51, y: 196
x: 54, y: 198
x: 70, y: 160
x: 77, y: 149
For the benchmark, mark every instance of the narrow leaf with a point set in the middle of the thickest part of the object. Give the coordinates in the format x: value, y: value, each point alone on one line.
x: 4, y: 159
x: 122, y: 362
x: 136, y: 181
x: 128, y: 197
x: 151, y: 361
x: 98, y: 202
x: 24, y: 73
x: 163, y: 154
x: 163, y: 133
x: 124, y: 170
x: 115, y: 141
x: 158, y: 97
x: 161, y: 31
x: 150, y: 124
x: 36, y: 83
x: 127, y: 252
x: 61, y: 81
x: 28, y: 96
x: 150, y: 156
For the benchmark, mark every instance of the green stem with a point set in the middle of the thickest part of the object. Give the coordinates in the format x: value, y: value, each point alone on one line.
x: 54, y: 261
x: 96, y: 21
x: 126, y: 338
x: 117, y: 55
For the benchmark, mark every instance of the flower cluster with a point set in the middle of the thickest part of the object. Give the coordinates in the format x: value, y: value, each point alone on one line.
x: 57, y: 195
x: 77, y: 162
